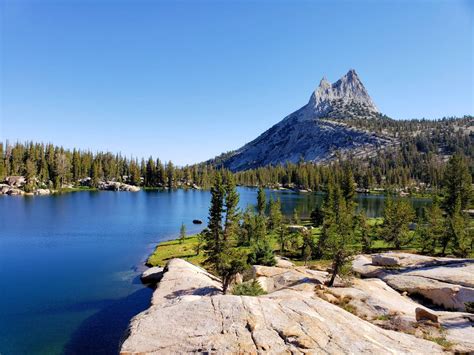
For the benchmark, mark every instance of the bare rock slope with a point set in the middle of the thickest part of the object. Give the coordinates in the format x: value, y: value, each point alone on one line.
x: 188, y: 314
x: 307, y: 133
x: 445, y: 282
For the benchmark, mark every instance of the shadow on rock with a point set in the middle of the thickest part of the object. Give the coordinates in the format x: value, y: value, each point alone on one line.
x: 102, y: 332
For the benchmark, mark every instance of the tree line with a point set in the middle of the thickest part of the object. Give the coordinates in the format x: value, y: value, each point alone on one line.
x: 235, y: 239
x: 46, y: 165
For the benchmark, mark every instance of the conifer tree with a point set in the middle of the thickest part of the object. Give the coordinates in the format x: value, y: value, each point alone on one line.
x: 431, y: 230
x: 182, y: 233
x: 348, y: 184
x: 457, y: 185
x: 231, y: 208
x: 213, y: 246
x: 397, y: 215
x: 276, y: 216
x: 261, y: 201
x: 340, y: 244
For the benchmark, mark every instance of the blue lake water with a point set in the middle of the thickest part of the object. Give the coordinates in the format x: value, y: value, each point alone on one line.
x: 70, y: 264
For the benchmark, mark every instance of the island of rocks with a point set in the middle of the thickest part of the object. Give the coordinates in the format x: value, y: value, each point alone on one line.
x: 402, y: 303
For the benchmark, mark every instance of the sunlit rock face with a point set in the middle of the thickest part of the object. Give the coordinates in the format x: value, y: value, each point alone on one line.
x: 318, y: 131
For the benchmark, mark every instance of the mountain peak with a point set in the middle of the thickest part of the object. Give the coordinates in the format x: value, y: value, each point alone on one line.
x: 347, y: 91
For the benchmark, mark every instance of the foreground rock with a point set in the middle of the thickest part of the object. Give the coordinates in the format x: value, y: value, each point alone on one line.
x: 188, y: 314
x: 374, y: 300
x: 117, y: 186
x: 445, y: 282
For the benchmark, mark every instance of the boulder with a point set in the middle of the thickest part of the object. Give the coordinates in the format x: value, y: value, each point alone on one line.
x: 374, y: 300
x: 42, y: 192
x: 447, y: 295
x: 283, y: 263
x: 384, y: 260
x: 117, y: 186
x: 296, y: 228
x: 362, y: 265
x: 15, y: 181
x: 189, y: 315
x: 423, y: 314
x: 152, y: 275
x: 446, y: 282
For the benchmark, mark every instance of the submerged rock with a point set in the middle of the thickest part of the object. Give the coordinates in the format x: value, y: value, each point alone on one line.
x: 190, y: 315
x: 152, y: 275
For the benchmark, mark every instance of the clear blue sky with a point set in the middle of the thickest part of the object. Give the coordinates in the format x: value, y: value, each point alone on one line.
x: 188, y: 80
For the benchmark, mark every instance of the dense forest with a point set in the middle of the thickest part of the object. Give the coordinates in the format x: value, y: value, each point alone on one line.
x: 417, y: 163
x: 52, y: 166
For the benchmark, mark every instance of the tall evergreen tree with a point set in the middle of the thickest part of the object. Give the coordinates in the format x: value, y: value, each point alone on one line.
x: 231, y: 208
x: 457, y: 184
x: 397, y: 215
x: 261, y: 201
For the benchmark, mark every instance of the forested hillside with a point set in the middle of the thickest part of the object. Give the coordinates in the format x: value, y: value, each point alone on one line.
x: 418, y: 159
x: 53, y: 166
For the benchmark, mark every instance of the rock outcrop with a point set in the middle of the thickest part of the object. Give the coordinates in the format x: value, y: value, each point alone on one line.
x: 6, y: 189
x: 117, y: 186
x: 445, y: 282
x: 374, y: 300
x: 189, y: 314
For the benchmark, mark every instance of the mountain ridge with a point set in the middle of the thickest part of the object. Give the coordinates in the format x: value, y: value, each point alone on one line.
x: 316, y: 131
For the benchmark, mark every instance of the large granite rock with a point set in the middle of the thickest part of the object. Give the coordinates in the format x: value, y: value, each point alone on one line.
x: 117, y: 186
x: 6, y: 189
x: 446, y: 282
x: 374, y: 300
x: 189, y: 314
x: 15, y: 181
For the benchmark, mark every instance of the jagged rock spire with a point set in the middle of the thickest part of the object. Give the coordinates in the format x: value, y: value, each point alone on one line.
x: 348, y: 89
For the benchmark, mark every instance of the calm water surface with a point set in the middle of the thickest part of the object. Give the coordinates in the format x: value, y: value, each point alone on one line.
x: 70, y: 264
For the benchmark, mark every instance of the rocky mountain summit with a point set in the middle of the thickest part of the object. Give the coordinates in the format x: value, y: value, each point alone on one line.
x: 347, y: 95
x: 317, y: 131
x: 189, y: 314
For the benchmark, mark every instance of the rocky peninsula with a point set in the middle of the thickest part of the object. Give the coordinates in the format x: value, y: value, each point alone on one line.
x: 299, y: 314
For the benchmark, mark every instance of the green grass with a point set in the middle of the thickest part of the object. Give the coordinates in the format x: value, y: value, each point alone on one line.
x: 174, y: 249
x: 441, y: 341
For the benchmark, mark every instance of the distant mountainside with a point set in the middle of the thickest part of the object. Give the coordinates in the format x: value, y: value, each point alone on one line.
x: 341, y: 120
x: 317, y: 131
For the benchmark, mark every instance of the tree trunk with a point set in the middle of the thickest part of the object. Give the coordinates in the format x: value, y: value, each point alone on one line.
x: 335, y: 270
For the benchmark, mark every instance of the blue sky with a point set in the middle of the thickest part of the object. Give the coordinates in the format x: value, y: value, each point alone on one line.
x: 187, y: 80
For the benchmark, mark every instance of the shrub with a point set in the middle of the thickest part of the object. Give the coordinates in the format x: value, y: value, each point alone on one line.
x: 250, y: 288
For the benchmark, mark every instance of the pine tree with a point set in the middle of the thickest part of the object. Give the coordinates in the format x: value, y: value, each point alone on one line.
x: 340, y: 244
x: 397, y: 215
x: 348, y: 184
x: 431, y: 230
x: 182, y: 233
x: 457, y: 184
x: 365, y: 232
x: 2, y: 163
x: 296, y: 217
x: 231, y: 208
x: 276, y: 216
x: 213, y: 245
x: 261, y: 201
x: 457, y: 234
